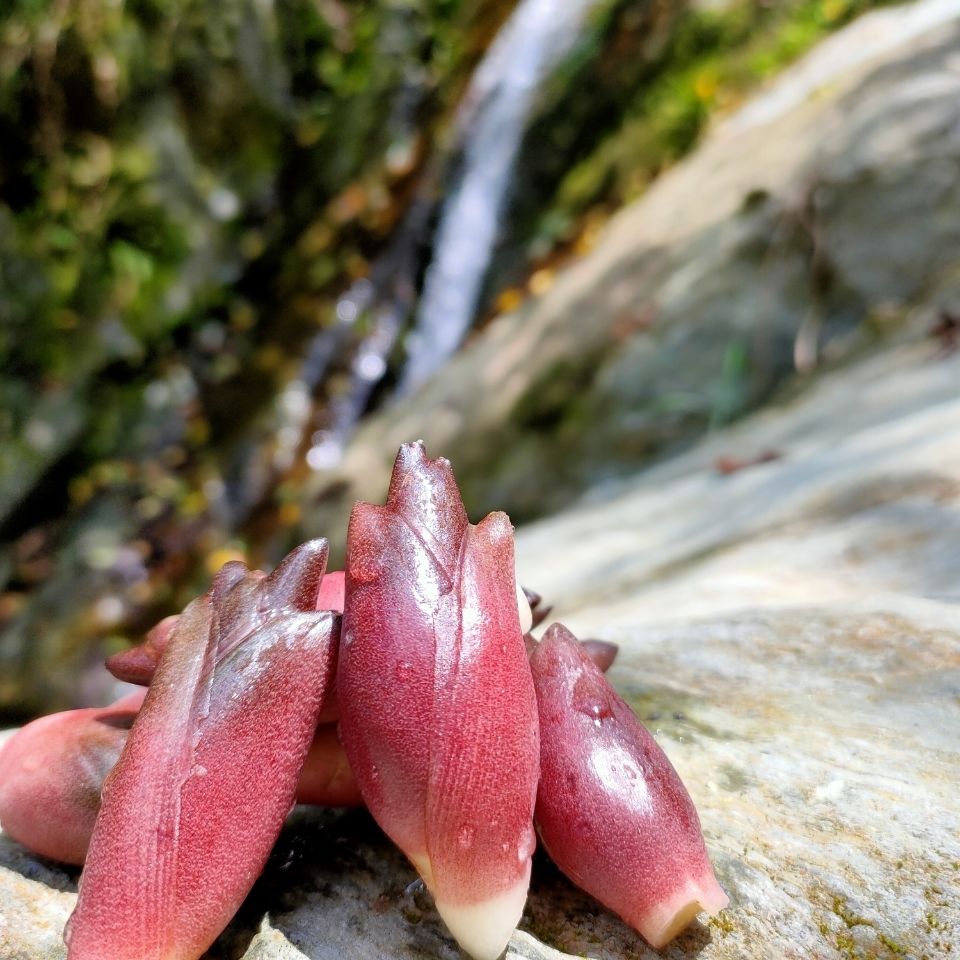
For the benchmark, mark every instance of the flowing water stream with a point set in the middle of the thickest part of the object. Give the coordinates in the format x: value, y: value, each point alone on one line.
x: 491, y: 124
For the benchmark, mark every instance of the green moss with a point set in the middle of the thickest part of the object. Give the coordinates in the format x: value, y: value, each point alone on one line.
x: 895, y: 948
x: 845, y: 941
x: 552, y: 398
x: 842, y: 909
x: 847, y: 945
x: 732, y: 778
x: 723, y: 923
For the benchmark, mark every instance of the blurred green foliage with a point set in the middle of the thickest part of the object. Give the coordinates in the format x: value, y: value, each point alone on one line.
x: 161, y: 165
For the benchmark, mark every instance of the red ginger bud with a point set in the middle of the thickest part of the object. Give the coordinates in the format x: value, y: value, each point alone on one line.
x: 611, y: 810
x: 209, y: 769
x: 52, y: 771
x: 51, y: 774
x: 438, y: 713
x: 137, y: 664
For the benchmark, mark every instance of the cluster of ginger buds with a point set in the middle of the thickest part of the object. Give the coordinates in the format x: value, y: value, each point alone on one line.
x: 410, y: 683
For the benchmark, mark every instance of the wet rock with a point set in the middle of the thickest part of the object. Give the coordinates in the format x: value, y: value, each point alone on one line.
x: 779, y: 245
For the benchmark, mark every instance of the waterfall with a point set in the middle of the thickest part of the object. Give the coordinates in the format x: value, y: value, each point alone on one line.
x: 491, y: 123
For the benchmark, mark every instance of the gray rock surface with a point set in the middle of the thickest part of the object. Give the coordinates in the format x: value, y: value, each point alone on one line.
x: 824, y: 215
x: 790, y: 631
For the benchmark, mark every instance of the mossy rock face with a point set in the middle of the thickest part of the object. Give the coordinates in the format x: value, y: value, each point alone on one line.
x: 185, y: 193
x: 161, y: 168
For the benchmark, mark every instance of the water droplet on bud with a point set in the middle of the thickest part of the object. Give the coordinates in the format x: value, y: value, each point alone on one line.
x: 527, y: 845
x: 590, y: 698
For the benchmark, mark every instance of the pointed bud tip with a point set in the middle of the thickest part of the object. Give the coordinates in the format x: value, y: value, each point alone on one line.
x: 228, y: 576
x: 601, y: 652
x: 410, y: 454
x: 413, y: 458
x: 296, y: 582
x: 416, y: 450
x: 496, y: 526
x: 557, y: 631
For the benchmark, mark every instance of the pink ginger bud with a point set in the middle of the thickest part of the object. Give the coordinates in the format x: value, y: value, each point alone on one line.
x: 326, y: 779
x: 611, y: 810
x: 210, y: 767
x: 438, y: 712
x: 330, y: 597
x: 51, y: 774
x: 330, y: 594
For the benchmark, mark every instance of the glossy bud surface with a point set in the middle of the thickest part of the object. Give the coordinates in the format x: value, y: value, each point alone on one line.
x: 611, y: 810
x: 208, y: 774
x: 438, y: 713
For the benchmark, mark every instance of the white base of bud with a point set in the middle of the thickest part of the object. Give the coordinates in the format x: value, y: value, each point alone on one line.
x: 671, y: 917
x: 484, y: 929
